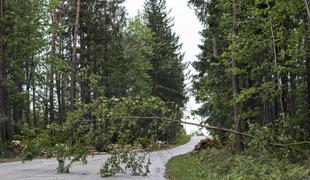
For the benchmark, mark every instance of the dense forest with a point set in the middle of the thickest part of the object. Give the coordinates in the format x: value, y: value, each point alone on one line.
x: 80, y: 74
x: 254, y: 82
x: 254, y: 69
x: 58, y: 54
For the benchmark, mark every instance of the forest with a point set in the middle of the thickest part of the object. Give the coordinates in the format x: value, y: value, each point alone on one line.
x: 77, y: 75
x: 57, y: 54
x: 254, y: 77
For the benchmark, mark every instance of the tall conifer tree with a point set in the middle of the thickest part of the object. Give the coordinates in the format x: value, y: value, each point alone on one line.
x: 167, y: 72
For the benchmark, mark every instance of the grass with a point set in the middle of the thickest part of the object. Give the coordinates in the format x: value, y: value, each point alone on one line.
x: 11, y: 159
x: 181, y: 138
x: 221, y: 164
x: 7, y: 153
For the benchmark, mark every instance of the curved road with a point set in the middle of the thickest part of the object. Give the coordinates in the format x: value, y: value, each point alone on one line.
x: 46, y: 169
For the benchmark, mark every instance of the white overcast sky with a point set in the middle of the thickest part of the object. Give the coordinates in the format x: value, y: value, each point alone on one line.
x: 187, y: 27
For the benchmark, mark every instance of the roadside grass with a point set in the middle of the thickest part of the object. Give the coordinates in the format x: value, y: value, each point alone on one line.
x: 214, y: 163
x: 13, y: 159
x: 7, y: 152
x: 181, y: 138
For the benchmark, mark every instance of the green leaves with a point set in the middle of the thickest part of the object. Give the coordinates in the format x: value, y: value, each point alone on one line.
x: 268, y: 48
x: 67, y: 142
x: 126, y: 159
x: 130, y: 123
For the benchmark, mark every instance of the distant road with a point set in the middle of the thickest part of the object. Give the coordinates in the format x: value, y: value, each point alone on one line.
x: 46, y: 169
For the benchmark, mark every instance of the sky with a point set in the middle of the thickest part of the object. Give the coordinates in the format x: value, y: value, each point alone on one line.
x: 187, y: 27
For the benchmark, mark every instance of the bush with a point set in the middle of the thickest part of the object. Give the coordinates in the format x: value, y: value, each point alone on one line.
x: 284, y: 133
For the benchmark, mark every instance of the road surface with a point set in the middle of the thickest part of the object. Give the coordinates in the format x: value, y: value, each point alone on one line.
x: 46, y: 169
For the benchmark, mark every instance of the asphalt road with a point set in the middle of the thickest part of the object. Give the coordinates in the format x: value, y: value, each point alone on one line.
x: 46, y: 169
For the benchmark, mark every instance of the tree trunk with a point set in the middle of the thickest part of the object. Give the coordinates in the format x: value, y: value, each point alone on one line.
x: 4, y: 97
x: 33, y: 84
x: 279, y: 79
x: 45, y: 103
x: 28, y: 84
x: 2, y: 70
x: 60, y: 82
x: 215, y: 46
x: 307, y: 8
x: 52, y: 55
x: 74, y: 56
x: 307, y: 54
x: 235, y: 85
x: 292, y: 96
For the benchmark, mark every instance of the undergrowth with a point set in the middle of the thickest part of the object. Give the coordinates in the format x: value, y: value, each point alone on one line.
x: 222, y: 164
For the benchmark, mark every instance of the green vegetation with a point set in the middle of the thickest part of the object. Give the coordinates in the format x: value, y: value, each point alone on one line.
x: 221, y: 164
x: 126, y: 159
x: 118, y: 121
x: 254, y: 78
x: 56, y: 55
x: 76, y: 75
x: 5, y: 160
x: 254, y: 67
x: 80, y: 74
x: 181, y: 138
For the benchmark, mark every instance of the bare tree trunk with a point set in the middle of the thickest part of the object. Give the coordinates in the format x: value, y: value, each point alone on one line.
x: 52, y: 55
x: 60, y: 80
x: 33, y: 84
x: 235, y: 84
x: 215, y: 46
x: 292, y: 96
x: 307, y: 53
x: 74, y: 56
x: 279, y: 79
x: 307, y: 42
x: 28, y: 84
x: 45, y: 103
x: 58, y: 93
x: 4, y: 96
x: 307, y: 8
x: 2, y: 70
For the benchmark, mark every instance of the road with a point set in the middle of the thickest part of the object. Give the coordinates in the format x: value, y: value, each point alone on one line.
x: 46, y: 169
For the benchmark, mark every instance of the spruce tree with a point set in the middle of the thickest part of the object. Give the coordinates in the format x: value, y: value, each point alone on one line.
x: 167, y: 68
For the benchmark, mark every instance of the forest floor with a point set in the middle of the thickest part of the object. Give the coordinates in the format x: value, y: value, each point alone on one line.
x: 46, y: 169
x: 212, y: 163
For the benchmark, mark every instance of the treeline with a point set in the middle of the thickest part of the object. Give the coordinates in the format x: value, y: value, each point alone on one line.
x: 254, y: 69
x: 55, y: 54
